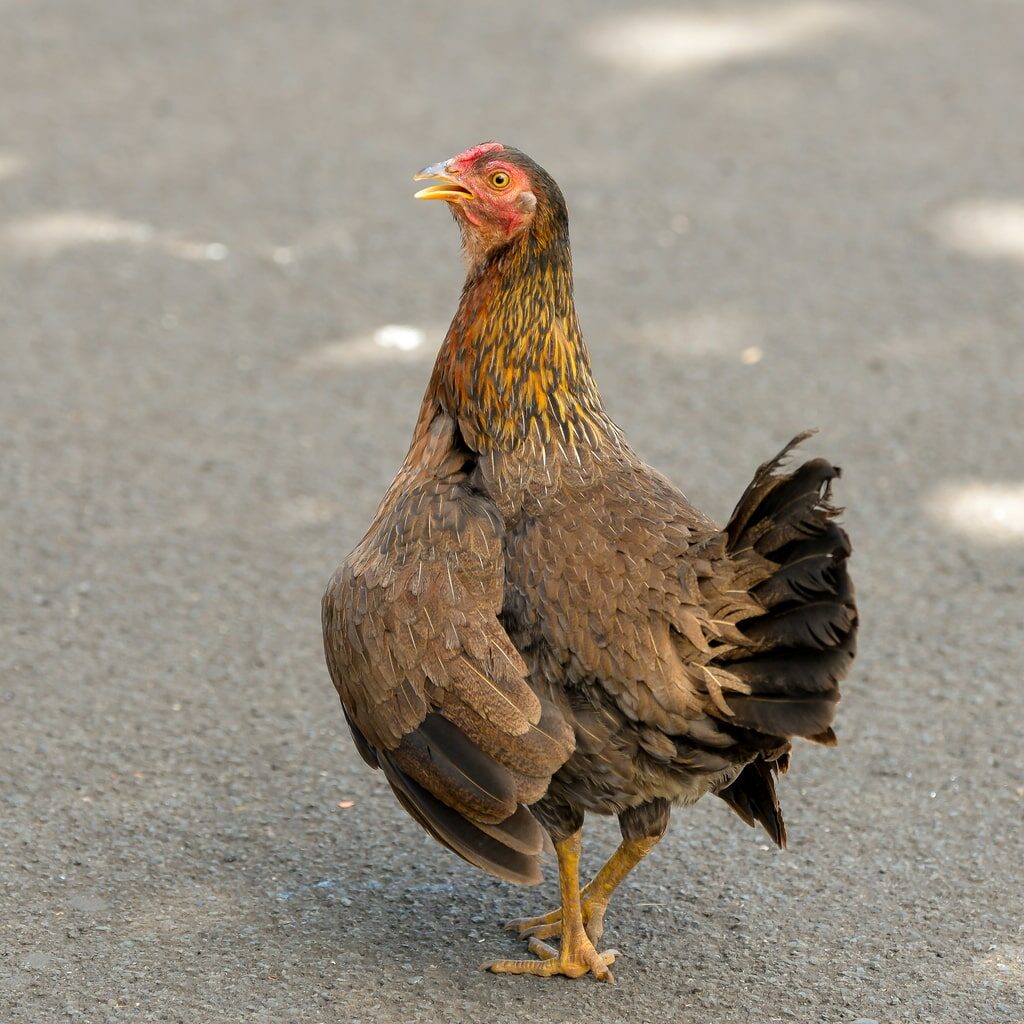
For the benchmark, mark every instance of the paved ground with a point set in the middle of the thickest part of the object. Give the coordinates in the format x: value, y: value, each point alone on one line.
x: 785, y: 214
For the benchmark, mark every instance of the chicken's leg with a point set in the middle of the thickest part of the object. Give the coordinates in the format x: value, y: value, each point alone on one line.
x: 595, y: 896
x: 576, y: 955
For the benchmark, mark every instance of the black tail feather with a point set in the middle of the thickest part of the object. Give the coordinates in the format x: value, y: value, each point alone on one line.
x: 801, y: 645
x: 752, y: 796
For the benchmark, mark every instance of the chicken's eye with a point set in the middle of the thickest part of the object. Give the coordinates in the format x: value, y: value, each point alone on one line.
x: 500, y: 179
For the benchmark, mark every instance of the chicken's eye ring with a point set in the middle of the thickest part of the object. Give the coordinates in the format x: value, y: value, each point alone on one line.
x: 500, y: 180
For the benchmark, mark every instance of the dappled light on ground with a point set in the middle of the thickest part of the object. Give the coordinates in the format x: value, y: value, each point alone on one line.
x: 1001, y: 968
x: 664, y: 41
x: 10, y: 165
x: 50, y: 234
x: 703, y: 333
x: 307, y: 510
x: 991, y: 513
x: 986, y: 228
x: 389, y: 343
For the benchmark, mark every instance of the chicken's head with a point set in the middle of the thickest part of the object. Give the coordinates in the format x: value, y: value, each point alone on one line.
x: 493, y: 193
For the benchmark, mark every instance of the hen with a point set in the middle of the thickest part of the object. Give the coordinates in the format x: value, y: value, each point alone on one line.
x: 538, y: 625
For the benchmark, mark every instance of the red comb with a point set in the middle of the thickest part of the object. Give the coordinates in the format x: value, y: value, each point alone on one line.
x: 475, y: 152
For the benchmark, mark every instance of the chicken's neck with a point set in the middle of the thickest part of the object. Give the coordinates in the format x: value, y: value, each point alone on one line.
x: 513, y: 364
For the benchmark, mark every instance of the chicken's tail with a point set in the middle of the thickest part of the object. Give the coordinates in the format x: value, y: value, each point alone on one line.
x: 790, y: 556
x: 752, y: 796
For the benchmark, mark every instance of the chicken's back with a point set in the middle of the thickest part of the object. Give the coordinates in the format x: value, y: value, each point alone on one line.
x: 630, y: 608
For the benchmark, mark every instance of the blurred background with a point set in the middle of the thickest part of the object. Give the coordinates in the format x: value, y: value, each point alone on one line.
x: 218, y: 310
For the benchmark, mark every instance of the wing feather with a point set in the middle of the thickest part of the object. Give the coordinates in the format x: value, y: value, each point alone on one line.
x: 433, y: 689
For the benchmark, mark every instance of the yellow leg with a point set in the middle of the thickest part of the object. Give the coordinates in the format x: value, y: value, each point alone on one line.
x: 594, y: 898
x: 576, y: 955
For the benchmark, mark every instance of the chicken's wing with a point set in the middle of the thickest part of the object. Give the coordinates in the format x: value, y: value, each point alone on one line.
x: 434, y: 691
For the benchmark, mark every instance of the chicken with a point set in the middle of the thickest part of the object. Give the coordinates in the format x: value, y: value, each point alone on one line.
x: 537, y: 625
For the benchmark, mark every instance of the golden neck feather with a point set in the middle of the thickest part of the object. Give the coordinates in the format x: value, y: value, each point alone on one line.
x: 514, y: 361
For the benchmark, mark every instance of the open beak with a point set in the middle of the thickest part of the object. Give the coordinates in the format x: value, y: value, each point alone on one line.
x: 448, y: 189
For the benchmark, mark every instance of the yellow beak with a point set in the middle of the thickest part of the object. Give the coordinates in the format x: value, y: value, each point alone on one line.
x: 449, y: 189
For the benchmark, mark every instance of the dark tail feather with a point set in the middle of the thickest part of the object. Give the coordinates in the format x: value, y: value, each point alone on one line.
x: 784, y: 532
x: 752, y: 797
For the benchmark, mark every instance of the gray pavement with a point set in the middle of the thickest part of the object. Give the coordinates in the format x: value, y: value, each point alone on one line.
x: 785, y: 214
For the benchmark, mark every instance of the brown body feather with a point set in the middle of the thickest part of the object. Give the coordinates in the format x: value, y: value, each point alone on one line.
x: 537, y: 624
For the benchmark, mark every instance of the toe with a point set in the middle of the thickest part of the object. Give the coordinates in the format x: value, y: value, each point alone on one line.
x: 541, y: 968
x: 599, y: 965
x: 542, y: 931
x: 546, y: 927
x: 542, y: 950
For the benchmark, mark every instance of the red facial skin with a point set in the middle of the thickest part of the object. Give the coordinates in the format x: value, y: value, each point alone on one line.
x: 494, y: 215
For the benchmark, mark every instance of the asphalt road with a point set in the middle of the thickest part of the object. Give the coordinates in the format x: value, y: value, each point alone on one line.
x: 785, y: 214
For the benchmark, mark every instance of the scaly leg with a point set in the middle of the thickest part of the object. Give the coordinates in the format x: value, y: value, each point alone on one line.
x: 594, y: 897
x: 576, y: 955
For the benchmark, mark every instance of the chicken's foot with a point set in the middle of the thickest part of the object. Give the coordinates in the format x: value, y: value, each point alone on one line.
x: 594, y: 897
x: 576, y: 955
